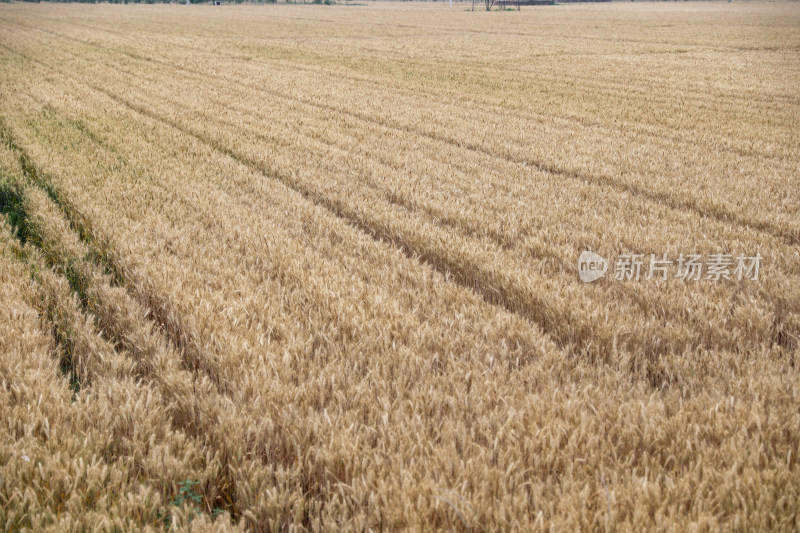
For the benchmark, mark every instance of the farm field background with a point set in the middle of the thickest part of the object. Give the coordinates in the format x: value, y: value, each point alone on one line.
x: 315, y: 267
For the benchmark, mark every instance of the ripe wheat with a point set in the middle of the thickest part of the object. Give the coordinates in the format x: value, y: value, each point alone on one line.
x: 268, y: 271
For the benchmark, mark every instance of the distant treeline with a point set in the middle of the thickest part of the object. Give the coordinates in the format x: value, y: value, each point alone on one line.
x: 500, y: 3
x: 517, y: 3
x: 159, y: 1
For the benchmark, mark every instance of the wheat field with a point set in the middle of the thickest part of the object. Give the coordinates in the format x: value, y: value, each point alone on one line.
x: 315, y: 268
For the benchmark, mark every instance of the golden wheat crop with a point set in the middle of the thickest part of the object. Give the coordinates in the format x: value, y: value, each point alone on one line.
x: 315, y: 267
